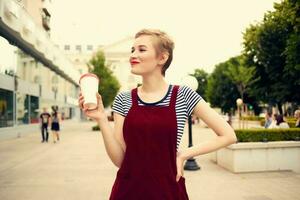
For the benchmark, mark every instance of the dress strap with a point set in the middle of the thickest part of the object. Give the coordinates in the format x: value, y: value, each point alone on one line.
x: 174, y: 95
x: 134, y: 97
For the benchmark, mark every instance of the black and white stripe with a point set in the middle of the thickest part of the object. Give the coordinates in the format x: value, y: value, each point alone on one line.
x: 185, y: 103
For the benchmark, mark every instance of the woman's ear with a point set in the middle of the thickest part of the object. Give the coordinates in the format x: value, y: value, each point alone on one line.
x: 163, y: 58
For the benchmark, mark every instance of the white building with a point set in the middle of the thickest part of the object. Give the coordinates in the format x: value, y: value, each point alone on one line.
x: 80, y: 55
x: 34, y: 73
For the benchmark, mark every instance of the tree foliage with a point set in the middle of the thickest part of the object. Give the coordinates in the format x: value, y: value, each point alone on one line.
x: 202, y: 78
x: 272, y: 47
x: 229, y: 81
x: 108, y: 84
x: 221, y: 91
x: 239, y: 74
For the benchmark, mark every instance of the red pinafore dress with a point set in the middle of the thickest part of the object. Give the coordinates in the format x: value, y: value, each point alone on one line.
x: 148, y: 171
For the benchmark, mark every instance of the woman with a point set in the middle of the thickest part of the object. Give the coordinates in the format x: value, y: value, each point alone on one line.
x: 273, y: 123
x: 55, y: 120
x: 149, y: 123
x: 281, y: 123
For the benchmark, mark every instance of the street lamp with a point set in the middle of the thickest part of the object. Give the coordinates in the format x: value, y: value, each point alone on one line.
x: 191, y: 82
x: 239, y: 102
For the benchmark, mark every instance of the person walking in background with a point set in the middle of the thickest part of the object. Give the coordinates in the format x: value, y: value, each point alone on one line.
x: 297, y: 116
x: 149, y: 122
x: 55, y: 125
x: 45, y: 121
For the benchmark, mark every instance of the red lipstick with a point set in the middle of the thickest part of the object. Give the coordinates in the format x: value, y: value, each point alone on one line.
x: 134, y: 62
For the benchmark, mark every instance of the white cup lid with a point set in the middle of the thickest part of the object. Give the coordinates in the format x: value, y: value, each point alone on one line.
x: 88, y: 74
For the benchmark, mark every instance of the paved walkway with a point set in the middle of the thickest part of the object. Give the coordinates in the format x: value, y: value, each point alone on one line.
x: 78, y: 168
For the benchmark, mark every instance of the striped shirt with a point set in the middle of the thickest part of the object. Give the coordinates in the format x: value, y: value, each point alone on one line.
x: 185, y: 102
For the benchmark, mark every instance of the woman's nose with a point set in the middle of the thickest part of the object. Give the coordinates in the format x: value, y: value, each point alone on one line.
x: 133, y: 55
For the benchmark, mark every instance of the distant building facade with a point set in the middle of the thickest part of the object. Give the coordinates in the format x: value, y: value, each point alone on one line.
x: 34, y: 73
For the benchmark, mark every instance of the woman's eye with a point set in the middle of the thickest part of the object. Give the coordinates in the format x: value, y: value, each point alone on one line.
x: 139, y: 50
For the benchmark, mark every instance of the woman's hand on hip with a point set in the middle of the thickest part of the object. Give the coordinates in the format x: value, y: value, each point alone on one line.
x: 97, y: 114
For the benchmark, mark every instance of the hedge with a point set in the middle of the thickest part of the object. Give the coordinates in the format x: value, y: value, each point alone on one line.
x: 252, y: 118
x: 96, y: 128
x: 263, y: 135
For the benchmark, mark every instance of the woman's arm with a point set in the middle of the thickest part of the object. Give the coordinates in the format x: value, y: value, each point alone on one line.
x: 226, y: 135
x: 113, y: 138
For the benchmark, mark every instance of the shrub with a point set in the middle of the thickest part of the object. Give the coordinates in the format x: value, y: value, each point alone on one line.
x: 259, y: 135
x: 252, y: 118
x: 96, y: 128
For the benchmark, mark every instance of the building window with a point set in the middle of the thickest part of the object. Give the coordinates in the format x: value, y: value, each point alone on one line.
x: 67, y: 47
x: 34, y: 109
x: 6, y: 108
x: 90, y: 47
x: 78, y: 47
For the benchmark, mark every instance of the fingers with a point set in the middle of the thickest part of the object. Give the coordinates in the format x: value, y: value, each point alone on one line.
x: 178, y: 176
x: 80, y: 101
x: 179, y: 164
x: 88, y: 112
x: 99, y: 101
x: 99, y: 97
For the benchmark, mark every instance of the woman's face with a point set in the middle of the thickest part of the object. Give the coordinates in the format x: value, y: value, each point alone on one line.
x: 143, y: 58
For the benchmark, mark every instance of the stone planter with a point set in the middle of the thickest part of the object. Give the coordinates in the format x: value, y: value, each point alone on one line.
x: 259, y: 156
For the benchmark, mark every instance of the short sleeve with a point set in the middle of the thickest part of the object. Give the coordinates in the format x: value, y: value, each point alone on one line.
x: 191, y: 98
x: 118, y: 106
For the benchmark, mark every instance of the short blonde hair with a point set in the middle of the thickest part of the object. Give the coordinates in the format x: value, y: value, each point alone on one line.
x: 163, y: 44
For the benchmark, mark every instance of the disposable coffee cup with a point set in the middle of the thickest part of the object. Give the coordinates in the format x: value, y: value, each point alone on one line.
x: 89, y: 87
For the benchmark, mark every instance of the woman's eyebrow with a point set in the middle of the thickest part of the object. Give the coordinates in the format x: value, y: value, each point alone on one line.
x: 140, y: 46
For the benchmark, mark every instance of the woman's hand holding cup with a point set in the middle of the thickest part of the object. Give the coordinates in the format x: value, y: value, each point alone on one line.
x: 90, y: 100
x: 96, y: 114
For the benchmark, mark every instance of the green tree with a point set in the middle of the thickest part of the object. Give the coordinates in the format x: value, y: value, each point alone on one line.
x: 221, y: 91
x: 202, y: 78
x: 273, y: 48
x: 230, y: 80
x: 239, y: 74
x: 108, y: 84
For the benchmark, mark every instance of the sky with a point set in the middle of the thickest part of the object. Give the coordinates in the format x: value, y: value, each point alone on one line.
x: 205, y: 32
